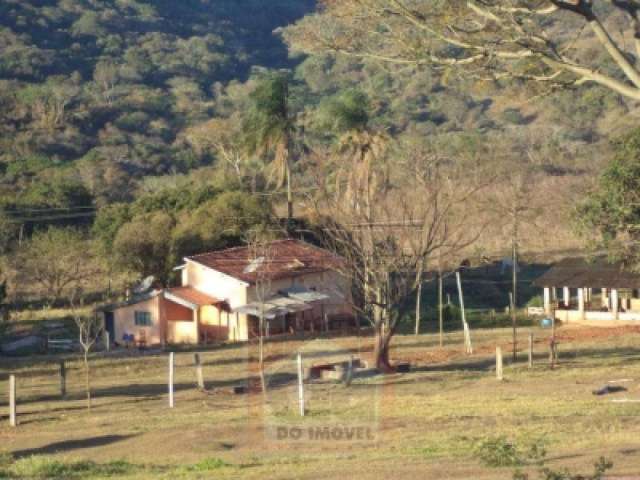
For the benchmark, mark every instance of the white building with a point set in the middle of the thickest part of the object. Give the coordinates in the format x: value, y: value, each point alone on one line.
x: 576, y: 290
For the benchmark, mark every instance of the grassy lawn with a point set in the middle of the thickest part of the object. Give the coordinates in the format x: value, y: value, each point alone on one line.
x: 428, y: 422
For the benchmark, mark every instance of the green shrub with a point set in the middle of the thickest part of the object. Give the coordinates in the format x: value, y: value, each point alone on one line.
x: 599, y: 469
x: 40, y: 467
x: 502, y: 452
x: 498, y: 452
x: 514, y: 116
x: 536, y: 301
x: 6, y: 460
x: 209, y: 464
x: 43, y: 467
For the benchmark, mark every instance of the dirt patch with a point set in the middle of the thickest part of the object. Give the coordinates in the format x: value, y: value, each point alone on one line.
x: 573, y: 334
x: 586, y: 334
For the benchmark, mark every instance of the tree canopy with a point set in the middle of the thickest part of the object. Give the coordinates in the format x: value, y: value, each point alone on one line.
x: 612, y: 209
x: 539, y: 40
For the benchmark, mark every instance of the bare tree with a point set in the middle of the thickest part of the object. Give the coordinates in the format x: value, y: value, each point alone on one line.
x: 90, y: 328
x: 512, y: 206
x: 402, y: 219
x: 536, y: 40
x: 260, y: 263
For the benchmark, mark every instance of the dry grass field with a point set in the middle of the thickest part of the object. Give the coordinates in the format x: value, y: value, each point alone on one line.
x: 424, y: 424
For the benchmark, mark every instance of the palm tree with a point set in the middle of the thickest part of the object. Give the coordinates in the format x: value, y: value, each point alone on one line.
x: 359, y: 169
x: 347, y: 114
x: 269, y: 127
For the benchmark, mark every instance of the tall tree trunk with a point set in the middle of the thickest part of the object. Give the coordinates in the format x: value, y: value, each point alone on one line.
x: 289, y: 197
x: 514, y: 279
x: 418, y: 305
x: 418, y: 300
x: 87, y: 378
x: 381, y: 348
x: 440, y: 311
x: 263, y: 382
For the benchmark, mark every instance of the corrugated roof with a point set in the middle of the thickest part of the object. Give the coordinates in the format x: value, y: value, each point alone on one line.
x: 580, y: 273
x: 287, y: 258
x: 192, y: 296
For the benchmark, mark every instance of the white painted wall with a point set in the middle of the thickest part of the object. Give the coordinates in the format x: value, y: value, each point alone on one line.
x: 216, y: 284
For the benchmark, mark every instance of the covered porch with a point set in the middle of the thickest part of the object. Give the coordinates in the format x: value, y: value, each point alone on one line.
x: 577, y: 291
x: 290, y: 311
x: 587, y: 303
x: 193, y: 317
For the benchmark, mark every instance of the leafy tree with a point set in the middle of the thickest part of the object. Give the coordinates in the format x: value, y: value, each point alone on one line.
x: 345, y: 111
x: 612, y: 208
x: 107, y: 223
x: 57, y: 190
x: 143, y: 245
x: 220, y: 223
x: 57, y: 260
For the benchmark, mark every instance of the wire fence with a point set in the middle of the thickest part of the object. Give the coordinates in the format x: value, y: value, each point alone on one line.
x: 59, y: 385
x: 137, y: 375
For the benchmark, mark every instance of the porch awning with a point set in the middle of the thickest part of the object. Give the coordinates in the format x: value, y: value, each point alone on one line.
x: 190, y: 297
x: 273, y: 307
x: 304, y: 294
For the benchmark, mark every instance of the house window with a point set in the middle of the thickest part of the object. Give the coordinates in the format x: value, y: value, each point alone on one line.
x: 142, y: 319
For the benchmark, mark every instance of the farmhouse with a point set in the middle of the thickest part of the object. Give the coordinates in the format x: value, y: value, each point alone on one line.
x: 224, y: 293
x: 576, y: 290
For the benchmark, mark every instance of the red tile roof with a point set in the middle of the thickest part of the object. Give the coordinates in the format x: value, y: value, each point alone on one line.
x: 193, y: 296
x: 287, y: 258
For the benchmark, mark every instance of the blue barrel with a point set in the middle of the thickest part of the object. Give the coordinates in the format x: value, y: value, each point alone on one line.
x: 546, y: 322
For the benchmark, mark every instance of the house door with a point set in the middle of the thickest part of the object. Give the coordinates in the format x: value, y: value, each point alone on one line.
x: 109, y: 325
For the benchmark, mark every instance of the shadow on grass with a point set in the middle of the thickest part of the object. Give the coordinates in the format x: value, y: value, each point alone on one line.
x: 69, y: 445
x: 481, y: 364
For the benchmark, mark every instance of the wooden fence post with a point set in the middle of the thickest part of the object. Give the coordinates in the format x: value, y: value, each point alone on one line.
x: 349, y: 376
x: 199, y: 376
x: 530, y: 350
x: 300, y: 385
x: 171, y: 372
x: 12, y: 401
x: 63, y: 379
x: 499, y: 363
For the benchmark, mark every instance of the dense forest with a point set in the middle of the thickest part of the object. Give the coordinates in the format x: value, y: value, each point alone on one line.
x: 97, y: 95
x: 130, y: 119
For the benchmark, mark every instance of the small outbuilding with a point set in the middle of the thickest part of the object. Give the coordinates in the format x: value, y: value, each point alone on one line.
x: 579, y: 290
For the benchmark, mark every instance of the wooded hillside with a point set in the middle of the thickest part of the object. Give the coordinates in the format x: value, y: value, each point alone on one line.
x: 118, y: 102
